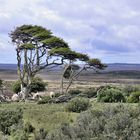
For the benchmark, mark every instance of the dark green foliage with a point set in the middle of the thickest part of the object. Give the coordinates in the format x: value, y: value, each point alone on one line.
x: 74, y: 92
x: 10, y: 118
x: 110, y: 94
x: 113, y: 123
x: 89, y: 93
x: 55, y: 41
x: 41, y: 135
x: 134, y: 97
x: 27, y: 46
x: 78, y: 105
x: 44, y: 100
x: 96, y: 63
x: 67, y: 53
x: 16, y: 86
x: 37, y: 84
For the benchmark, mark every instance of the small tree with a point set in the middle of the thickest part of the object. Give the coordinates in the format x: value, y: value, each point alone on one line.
x: 75, y: 70
x: 72, y: 70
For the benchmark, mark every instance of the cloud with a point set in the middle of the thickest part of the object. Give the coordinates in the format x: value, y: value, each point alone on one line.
x: 105, y: 29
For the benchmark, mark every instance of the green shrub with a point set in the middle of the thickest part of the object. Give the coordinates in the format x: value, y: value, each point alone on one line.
x: 74, y: 92
x: 110, y: 94
x: 89, y: 93
x: 16, y: 86
x: 8, y: 118
x: 113, y: 123
x: 37, y: 84
x: 134, y: 97
x: 78, y: 105
x: 128, y: 89
x: 44, y: 100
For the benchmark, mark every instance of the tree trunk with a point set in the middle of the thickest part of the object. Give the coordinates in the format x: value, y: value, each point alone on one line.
x: 61, y: 86
x: 25, y: 91
x: 69, y: 84
x: 62, y: 80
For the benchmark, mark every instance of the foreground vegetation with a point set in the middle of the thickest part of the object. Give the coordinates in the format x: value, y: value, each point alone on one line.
x: 122, y: 118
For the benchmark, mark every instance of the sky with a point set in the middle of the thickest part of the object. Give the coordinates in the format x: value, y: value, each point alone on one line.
x: 104, y: 29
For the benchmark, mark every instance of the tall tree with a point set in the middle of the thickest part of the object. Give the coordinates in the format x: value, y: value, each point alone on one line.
x: 33, y: 44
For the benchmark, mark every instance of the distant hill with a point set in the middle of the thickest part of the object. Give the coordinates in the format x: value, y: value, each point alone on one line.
x: 111, y: 67
x: 8, y: 66
x: 123, y: 67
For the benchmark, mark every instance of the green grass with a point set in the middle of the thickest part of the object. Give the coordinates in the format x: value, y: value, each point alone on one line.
x: 48, y: 116
x: 51, y: 116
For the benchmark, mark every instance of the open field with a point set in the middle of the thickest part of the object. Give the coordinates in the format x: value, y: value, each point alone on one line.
x: 86, y: 79
x: 51, y: 116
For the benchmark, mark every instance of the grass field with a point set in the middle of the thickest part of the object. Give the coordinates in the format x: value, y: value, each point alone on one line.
x: 48, y: 116
x: 51, y: 116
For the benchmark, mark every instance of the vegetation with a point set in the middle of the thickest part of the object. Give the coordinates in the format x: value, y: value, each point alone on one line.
x: 36, y: 49
x: 37, y: 84
x: 134, y: 97
x: 10, y: 118
x: 74, y: 92
x: 33, y: 44
x: 89, y: 93
x: 78, y: 105
x: 72, y: 71
x: 44, y: 100
x: 111, y: 123
x: 128, y: 89
x: 110, y: 94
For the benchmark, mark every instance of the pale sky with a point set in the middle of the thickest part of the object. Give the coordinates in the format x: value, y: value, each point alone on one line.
x: 105, y: 29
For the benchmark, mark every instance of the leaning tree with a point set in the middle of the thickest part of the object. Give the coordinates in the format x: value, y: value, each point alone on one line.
x: 33, y: 44
x: 73, y: 70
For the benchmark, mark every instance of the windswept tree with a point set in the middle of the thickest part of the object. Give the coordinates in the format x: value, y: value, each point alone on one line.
x: 33, y: 44
x: 37, y: 48
x: 72, y: 70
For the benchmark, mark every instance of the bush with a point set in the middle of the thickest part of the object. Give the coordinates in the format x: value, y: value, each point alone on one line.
x: 78, y: 105
x: 44, y: 100
x: 89, y: 93
x: 8, y: 118
x: 134, y: 97
x: 74, y: 92
x: 110, y: 94
x: 113, y: 123
x: 37, y: 84
x: 16, y: 86
x: 129, y: 89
